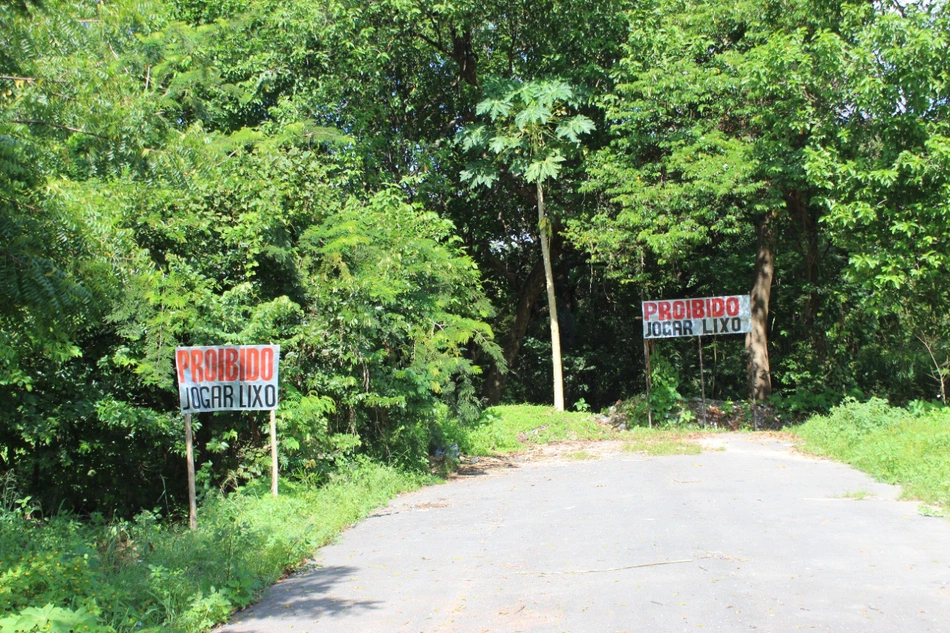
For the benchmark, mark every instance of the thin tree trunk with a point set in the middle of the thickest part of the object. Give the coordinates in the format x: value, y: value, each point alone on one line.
x: 544, y: 228
x: 757, y: 341
x: 939, y: 371
x: 528, y: 295
x: 798, y: 208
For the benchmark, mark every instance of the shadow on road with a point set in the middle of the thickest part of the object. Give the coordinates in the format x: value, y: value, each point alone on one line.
x: 481, y: 466
x: 305, y: 596
x: 470, y: 471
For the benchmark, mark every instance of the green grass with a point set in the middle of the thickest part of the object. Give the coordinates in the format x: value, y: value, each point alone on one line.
x: 857, y: 495
x: 894, y: 445
x: 64, y: 574
x: 512, y: 428
x: 582, y: 456
x: 656, y: 442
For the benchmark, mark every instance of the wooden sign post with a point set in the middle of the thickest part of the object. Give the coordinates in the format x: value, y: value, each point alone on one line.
x: 273, y: 452
x: 693, y: 317
x: 190, y: 457
x: 649, y: 380
x: 226, y: 378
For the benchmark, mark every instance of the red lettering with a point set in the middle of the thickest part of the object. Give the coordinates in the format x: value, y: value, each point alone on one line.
x: 231, y: 370
x: 664, y: 310
x: 211, y: 365
x: 718, y: 307
x: 732, y: 306
x: 679, y: 310
x: 698, y: 312
x: 252, y: 367
x: 197, y: 373
x: 267, y: 363
x: 181, y: 356
x: 649, y: 309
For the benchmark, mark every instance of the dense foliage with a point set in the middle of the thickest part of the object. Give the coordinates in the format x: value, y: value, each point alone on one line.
x: 189, y: 172
x: 144, y: 575
x: 905, y: 446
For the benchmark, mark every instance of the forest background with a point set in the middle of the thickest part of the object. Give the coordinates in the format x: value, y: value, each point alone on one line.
x: 402, y: 194
x: 367, y: 184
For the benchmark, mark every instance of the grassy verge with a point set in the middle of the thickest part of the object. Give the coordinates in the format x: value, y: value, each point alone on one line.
x: 63, y: 574
x: 894, y: 445
x: 660, y: 442
x: 512, y: 428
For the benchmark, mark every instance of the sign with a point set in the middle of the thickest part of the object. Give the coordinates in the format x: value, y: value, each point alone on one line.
x: 708, y: 316
x: 227, y: 378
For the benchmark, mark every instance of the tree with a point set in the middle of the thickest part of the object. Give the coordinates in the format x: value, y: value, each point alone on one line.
x: 884, y: 178
x: 531, y: 133
x: 714, y: 107
x: 177, y: 196
x: 814, y: 133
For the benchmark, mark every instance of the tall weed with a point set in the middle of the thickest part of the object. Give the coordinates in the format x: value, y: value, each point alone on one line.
x: 910, y: 447
x: 141, y: 575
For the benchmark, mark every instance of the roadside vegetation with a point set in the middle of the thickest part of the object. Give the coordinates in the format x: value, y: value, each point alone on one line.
x: 507, y: 429
x: 64, y: 572
x: 61, y: 573
x: 897, y: 445
x: 366, y: 183
x: 512, y: 428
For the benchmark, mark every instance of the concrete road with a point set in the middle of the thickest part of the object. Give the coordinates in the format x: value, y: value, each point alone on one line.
x: 750, y: 537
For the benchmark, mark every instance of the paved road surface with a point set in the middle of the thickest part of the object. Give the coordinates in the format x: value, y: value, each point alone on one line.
x: 755, y: 537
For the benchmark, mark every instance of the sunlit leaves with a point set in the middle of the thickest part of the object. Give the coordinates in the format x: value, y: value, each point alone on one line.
x: 480, y: 174
x: 502, y: 143
x: 885, y: 180
x: 398, y: 304
x: 547, y: 168
x: 573, y: 128
x: 495, y: 108
x: 529, y: 133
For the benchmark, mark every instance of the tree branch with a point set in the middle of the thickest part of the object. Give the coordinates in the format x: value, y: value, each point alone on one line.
x: 20, y: 203
x: 58, y: 126
x: 938, y: 373
x: 431, y: 42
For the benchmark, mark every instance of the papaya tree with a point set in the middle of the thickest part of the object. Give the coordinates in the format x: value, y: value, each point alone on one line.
x: 532, y: 129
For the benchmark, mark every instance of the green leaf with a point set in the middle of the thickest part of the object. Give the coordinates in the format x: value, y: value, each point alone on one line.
x: 572, y: 128
x: 544, y: 169
x: 533, y: 115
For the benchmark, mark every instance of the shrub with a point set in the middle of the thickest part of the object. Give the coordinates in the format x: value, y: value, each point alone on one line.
x: 910, y: 447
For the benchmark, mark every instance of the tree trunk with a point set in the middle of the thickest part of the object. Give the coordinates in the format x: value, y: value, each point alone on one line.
x: 527, y: 297
x: 757, y: 341
x: 544, y: 228
x: 798, y: 208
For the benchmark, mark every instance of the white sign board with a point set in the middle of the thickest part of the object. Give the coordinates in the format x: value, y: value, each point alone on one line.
x: 708, y: 316
x: 227, y: 377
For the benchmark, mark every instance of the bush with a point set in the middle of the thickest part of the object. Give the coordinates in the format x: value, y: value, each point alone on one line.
x: 910, y: 447
x: 142, y: 575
